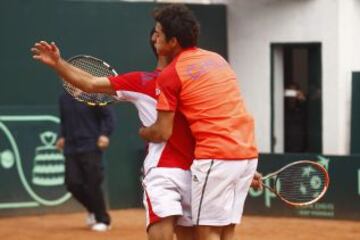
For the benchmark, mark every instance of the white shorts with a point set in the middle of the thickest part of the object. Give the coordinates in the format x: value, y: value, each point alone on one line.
x: 219, y: 189
x: 167, y: 192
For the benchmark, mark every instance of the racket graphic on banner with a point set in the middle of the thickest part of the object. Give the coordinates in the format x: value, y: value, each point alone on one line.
x: 95, y: 67
x: 300, y: 183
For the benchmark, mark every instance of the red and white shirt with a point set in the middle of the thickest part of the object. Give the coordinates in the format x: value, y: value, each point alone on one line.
x: 139, y: 88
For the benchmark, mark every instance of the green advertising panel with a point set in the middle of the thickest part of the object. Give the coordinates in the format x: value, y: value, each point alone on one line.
x: 31, y: 168
x: 341, y: 201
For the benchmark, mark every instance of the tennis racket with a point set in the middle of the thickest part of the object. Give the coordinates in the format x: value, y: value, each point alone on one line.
x: 300, y: 183
x: 95, y: 67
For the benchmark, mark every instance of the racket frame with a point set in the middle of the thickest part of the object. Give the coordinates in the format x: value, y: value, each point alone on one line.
x: 96, y: 59
x: 312, y: 163
x: 110, y: 68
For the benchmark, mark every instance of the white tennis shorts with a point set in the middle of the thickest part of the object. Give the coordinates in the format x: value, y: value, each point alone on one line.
x: 167, y: 192
x: 219, y: 189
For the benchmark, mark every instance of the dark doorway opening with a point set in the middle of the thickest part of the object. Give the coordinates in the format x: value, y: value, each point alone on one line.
x: 296, y: 98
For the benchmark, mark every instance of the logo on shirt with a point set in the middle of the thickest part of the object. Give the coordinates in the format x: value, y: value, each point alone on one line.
x: 195, y: 179
x: 196, y: 70
x: 157, y: 91
x: 148, y: 76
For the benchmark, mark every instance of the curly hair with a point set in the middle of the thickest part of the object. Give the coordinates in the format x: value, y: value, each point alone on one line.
x: 178, y: 21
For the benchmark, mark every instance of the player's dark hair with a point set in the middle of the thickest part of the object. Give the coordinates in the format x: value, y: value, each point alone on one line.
x: 152, y: 43
x: 178, y: 21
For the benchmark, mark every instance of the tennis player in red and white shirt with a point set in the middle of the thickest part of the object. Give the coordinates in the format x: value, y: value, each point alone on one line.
x: 167, y: 180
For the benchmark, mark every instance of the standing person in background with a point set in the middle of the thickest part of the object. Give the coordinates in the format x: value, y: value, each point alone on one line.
x: 84, y: 135
x: 201, y: 85
x: 295, y: 118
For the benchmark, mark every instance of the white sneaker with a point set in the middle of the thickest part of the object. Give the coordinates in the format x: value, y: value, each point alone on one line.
x: 90, y: 219
x: 100, y: 227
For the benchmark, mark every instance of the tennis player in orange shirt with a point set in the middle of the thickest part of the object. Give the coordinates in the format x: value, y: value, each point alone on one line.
x: 202, y: 86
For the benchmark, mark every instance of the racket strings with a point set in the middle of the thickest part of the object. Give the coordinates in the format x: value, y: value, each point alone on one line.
x: 301, y: 183
x: 96, y: 68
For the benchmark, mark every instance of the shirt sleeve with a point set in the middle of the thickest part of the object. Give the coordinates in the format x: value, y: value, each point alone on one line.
x: 140, y: 82
x: 169, y: 85
x: 125, y: 82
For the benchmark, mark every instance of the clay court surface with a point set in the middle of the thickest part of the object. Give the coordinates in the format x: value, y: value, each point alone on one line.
x: 129, y: 225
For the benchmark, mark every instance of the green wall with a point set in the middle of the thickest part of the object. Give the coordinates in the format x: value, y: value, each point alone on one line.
x: 355, y: 114
x: 114, y: 31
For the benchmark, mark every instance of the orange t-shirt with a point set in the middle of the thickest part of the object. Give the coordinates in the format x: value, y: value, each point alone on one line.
x: 202, y: 86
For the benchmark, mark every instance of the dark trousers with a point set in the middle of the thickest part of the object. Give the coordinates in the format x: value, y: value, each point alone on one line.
x: 83, y: 178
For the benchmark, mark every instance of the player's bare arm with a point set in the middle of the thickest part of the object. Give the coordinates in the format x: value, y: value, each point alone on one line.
x: 49, y: 54
x: 161, y: 130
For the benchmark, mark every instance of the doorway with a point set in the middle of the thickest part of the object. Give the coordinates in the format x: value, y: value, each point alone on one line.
x: 296, y: 101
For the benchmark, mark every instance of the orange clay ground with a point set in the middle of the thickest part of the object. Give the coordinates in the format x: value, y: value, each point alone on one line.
x: 129, y: 225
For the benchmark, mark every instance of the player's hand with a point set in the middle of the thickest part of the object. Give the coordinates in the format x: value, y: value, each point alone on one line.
x: 60, y: 143
x: 256, y: 182
x: 103, y: 142
x: 141, y: 132
x: 47, y: 53
x: 300, y: 96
